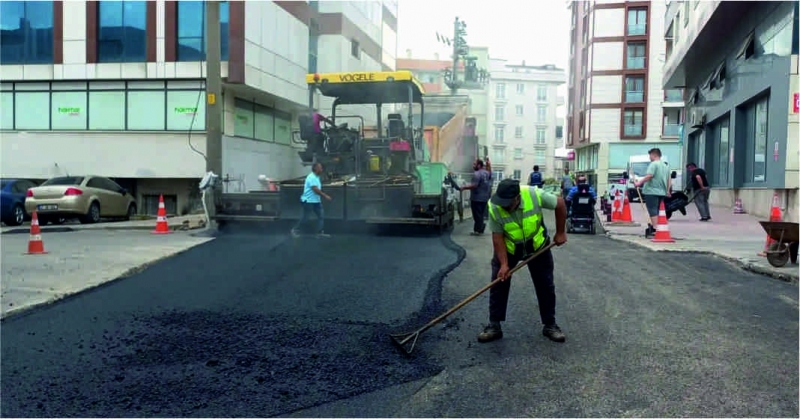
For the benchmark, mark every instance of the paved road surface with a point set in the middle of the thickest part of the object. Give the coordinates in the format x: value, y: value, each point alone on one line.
x: 252, y: 326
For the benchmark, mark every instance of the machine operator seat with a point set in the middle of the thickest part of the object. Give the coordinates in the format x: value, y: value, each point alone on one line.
x: 396, y: 125
x: 306, y: 123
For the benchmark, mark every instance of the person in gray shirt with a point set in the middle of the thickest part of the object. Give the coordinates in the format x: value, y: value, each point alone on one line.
x: 481, y: 192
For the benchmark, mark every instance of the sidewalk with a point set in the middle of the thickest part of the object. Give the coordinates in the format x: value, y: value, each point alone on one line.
x: 184, y: 222
x: 735, y: 237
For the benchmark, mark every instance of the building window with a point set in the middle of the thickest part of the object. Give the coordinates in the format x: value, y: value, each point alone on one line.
x: 632, y: 123
x: 520, y: 110
x: 541, y: 93
x: 637, y: 22
x: 500, y: 91
x: 559, y: 132
x: 636, y: 56
x: 541, y: 113
x: 634, y: 89
x: 518, y: 154
x: 192, y: 30
x: 517, y: 174
x: 499, y: 112
x: 121, y: 33
x: 723, y: 133
x: 520, y: 88
x: 259, y: 122
x: 541, y: 135
x: 518, y: 132
x: 313, y: 44
x: 748, y: 48
x: 497, y: 175
x: 539, y: 157
x: 27, y: 32
x: 759, y: 140
x: 355, y: 49
x: 499, y: 157
x: 499, y: 133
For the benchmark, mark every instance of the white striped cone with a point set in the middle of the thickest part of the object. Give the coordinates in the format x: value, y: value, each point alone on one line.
x: 662, y: 229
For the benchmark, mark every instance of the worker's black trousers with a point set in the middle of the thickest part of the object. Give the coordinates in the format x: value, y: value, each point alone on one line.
x: 479, y: 211
x: 541, y: 270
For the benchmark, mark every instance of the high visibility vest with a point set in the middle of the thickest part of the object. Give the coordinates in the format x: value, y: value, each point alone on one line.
x: 531, y: 227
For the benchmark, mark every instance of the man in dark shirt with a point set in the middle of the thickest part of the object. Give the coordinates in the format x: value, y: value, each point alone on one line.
x: 481, y: 187
x: 701, y: 190
x: 536, y: 178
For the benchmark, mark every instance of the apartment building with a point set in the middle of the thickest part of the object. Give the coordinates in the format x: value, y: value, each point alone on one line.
x: 617, y: 105
x: 116, y: 88
x: 738, y: 62
x: 523, y: 101
x: 431, y: 74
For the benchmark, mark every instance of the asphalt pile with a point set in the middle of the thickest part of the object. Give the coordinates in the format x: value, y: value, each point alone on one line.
x: 240, y: 326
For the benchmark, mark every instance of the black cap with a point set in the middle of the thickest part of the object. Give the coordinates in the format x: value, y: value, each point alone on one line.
x: 507, y: 190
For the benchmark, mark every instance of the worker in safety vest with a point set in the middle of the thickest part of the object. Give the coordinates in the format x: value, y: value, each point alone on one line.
x: 517, y: 225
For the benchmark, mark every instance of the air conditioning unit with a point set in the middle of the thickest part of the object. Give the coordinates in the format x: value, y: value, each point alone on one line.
x: 697, y: 118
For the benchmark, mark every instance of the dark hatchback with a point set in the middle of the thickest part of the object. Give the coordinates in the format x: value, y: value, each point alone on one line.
x: 12, y: 200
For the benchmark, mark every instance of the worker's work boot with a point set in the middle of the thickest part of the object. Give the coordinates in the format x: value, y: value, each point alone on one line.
x: 554, y: 333
x: 295, y: 233
x: 490, y: 333
x: 322, y: 235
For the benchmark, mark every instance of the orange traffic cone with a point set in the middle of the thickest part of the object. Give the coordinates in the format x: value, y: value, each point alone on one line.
x: 35, y: 243
x: 662, y: 229
x: 161, y: 222
x: 626, y: 211
x: 737, y: 207
x: 774, y: 215
x: 616, y: 215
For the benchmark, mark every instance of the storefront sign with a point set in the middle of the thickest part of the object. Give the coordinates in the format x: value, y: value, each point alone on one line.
x: 796, y: 107
x: 186, y: 111
x: 69, y: 111
x: 775, y: 152
x: 570, y: 155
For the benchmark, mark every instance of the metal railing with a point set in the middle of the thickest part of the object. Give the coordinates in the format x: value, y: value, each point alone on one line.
x: 637, y: 29
x: 673, y: 95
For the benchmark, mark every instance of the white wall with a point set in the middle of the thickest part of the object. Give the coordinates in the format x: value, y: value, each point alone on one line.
x: 606, y: 89
x: 605, y: 125
x: 609, y: 22
x: 607, y: 56
x: 275, y: 51
x: 132, y: 154
x: 251, y: 158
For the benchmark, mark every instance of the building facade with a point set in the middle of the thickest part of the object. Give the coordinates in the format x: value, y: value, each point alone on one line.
x: 738, y: 62
x: 117, y: 88
x: 523, y: 120
x: 617, y: 105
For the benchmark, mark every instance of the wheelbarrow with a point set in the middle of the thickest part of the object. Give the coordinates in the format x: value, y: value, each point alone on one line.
x: 786, y: 237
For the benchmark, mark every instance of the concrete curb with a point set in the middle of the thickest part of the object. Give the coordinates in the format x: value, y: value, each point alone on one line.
x: 792, y: 278
x: 178, y: 227
x: 29, y: 309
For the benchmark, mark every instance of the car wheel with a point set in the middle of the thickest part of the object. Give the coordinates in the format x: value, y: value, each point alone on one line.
x: 131, y: 212
x: 93, y: 215
x: 17, y: 216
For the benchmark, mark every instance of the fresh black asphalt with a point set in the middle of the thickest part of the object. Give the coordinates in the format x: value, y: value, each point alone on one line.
x: 245, y: 325
x: 255, y: 325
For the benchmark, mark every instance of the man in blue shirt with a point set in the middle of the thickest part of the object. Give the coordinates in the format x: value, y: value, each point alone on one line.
x: 312, y: 202
x: 481, y: 187
x: 574, y: 189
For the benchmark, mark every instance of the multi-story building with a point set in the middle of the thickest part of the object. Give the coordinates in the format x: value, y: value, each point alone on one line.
x: 116, y: 88
x: 431, y: 75
x: 522, y: 118
x: 738, y: 62
x: 616, y: 104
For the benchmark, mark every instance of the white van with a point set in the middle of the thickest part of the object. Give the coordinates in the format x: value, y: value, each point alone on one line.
x: 637, y: 169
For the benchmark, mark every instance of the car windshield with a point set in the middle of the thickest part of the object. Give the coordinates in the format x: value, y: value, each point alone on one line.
x: 63, y: 181
x: 639, y: 169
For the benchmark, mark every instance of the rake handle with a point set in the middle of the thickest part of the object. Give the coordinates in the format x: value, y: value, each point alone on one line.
x: 478, y: 293
x: 641, y: 201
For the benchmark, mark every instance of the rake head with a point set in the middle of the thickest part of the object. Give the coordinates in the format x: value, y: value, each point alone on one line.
x: 405, y: 341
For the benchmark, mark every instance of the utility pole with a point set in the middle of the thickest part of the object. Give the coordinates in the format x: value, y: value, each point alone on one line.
x: 456, y: 55
x: 213, y: 105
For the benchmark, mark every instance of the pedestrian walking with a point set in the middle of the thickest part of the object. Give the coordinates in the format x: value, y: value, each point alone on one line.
x: 657, y: 184
x: 566, y: 183
x: 701, y: 189
x: 312, y: 202
x: 536, y: 178
x: 480, y: 191
x: 516, y: 223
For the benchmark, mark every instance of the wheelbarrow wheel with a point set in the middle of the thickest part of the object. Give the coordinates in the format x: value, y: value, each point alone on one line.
x: 778, y: 254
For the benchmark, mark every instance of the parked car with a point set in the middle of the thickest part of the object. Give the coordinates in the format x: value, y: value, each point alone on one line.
x: 12, y: 200
x: 88, y: 198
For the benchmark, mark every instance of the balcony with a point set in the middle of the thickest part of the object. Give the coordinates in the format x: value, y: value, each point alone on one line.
x: 672, y: 130
x: 673, y: 95
x: 634, y: 97
x: 635, y: 63
x: 637, y: 29
x: 499, y: 144
x: 633, y: 130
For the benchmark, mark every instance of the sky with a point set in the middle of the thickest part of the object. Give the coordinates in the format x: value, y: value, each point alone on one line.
x: 536, y: 31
